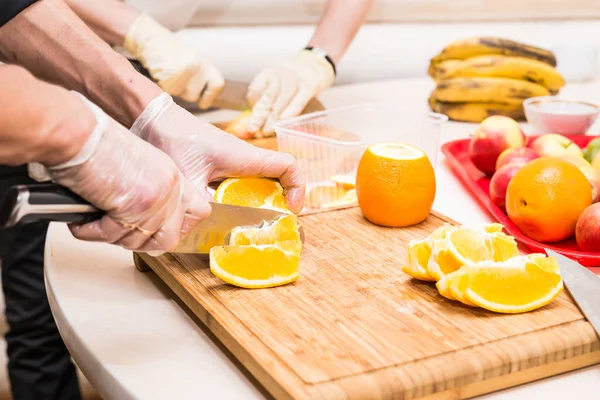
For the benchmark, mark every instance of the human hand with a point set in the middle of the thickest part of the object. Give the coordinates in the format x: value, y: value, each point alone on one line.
x: 204, y: 153
x: 148, y: 203
x: 178, y: 69
x: 282, y: 90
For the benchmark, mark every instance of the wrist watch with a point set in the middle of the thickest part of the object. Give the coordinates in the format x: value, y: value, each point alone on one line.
x: 323, y: 54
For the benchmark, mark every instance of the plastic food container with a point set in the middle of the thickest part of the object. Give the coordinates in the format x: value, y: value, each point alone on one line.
x: 330, y: 143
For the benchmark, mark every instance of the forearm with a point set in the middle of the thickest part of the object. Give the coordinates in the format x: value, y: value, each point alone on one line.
x: 338, y: 25
x: 110, y: 19
x: 39, y: 122
x: 53, y: 43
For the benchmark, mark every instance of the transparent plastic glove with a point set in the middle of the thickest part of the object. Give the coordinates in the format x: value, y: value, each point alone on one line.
x: 205, y: 154
x: 177, y: 68
x: 148, y: 203
x: 282, y: 90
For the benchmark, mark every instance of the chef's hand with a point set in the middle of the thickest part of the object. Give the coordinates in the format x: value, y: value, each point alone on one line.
x: 178, y: 69
x: 282, y: 90
x: 147, y: 201
x: 204, y: 153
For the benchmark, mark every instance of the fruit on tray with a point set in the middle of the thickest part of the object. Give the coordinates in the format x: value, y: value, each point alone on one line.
x: 481, y: 267
x: 590, y: 173
x: 545, y: 198
x: 555, y: 145
x: 483, y: 76
x: 587, y: 230
x: 499, y: 183
x: 493, y: 136
x: 257, y: 257
x: 395, y: 184
x: 592, y: 150
x: 501, y: 66
x: 519, y: 155
x: 519, y: 284
x: 252, y: 192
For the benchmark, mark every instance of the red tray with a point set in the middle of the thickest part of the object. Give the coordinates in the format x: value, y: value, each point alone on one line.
x: 457, y: 155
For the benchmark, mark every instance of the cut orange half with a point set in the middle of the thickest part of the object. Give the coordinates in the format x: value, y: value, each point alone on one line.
x: 252, y: 192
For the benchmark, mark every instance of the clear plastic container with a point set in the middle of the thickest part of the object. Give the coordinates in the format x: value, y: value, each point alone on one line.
x: 330, y: 143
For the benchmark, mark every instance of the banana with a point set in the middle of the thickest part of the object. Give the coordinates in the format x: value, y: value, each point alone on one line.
x: 499, y: 66
x: 476, y: 112
x: 487, y: 90
x: 478, y: 46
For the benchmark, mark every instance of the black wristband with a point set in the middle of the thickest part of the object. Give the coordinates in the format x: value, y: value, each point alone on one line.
x: 326, y: 57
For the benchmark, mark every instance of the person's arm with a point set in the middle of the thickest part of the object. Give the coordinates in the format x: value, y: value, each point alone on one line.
x: 52, y: 42
x: 283, y: 89
x: 110, y: 19
x: 148, y: 203
x: 338, y: 26
x: 176, y: 67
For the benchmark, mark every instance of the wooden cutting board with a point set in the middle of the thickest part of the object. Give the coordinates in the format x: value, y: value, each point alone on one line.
x: 354, y: 326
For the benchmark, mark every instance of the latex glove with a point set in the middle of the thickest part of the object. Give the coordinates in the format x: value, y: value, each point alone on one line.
x: 204, y: 153
x: 144, y: 195
x: 282, y: 90
x: 178, y: 69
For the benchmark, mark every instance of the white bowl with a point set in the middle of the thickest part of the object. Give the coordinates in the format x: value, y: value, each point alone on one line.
x: 551, y: 114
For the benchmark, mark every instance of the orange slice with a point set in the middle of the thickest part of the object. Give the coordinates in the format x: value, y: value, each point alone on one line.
x: 252, y: 192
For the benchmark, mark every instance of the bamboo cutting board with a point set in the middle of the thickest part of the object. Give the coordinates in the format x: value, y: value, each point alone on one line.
x: 354, y: 326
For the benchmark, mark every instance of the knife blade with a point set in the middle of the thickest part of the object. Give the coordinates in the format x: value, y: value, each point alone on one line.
x: 583, y: 285
x: 232, y: 96
x: 51, y: 202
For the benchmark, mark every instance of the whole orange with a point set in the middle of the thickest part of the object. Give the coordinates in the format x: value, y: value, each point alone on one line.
x: 545, y: 198
x: 395, y: 184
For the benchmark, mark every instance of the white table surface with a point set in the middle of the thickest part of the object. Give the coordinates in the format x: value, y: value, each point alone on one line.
x: 133, y: 340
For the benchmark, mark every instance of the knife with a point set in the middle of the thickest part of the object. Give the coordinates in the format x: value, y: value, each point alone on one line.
x: 583, y: 285
x: 232, y: 96
x: 24, y: 204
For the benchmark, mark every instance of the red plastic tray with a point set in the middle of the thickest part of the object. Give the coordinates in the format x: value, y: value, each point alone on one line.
x: 457, y: 155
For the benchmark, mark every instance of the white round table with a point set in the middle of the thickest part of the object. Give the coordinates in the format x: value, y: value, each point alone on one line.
x: 133, y: 339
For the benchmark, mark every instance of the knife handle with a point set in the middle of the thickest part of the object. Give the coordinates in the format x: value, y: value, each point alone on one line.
x: 23, y: 204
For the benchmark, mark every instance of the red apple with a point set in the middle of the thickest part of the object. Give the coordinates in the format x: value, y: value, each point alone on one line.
x: 555, y: 145
x: 587, y: 230
x: 494, y: 135
x: 516, y: 154
x: 499, y: 183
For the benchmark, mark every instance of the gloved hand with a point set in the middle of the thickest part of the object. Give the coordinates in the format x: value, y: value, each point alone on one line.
x: 148, y: 203
x: 176, y: 67
x: 204, y: 153
x: 282, y: 90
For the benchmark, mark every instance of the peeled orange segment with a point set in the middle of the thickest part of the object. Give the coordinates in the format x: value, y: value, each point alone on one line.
x: 419, y: 253
x: 443, y: 286
x: 283, y: 229
x: 457, y: 285
x: 469, y: 245
x: 256, y: 266
x: 252, y: 192
x: 344, y: 181
x: 506, y: 289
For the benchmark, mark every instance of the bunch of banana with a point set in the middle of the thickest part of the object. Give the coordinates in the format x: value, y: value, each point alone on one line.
x: 480, y: 77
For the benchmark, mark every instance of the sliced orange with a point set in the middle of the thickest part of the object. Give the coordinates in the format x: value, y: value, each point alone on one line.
x: 256, y: 266
x: 282, y: 230
x: 419, y: 253
x: 469, y: 245
x: 344, y: 181
x: 330, y: 196
x: 237, y: 126
x: 252, y: 192
x: 509, y: 288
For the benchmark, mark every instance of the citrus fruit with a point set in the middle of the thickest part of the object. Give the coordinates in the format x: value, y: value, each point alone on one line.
x: 256, y: 266
x: 237, y: 126
x: 283, y: 229
x: 545, y: 198
x: 395, y: 185
x: 468, y: 245
x: 344, y: 181
x: 329, y: 196
x: 252, y: 192
x: 419, y: 253
x: 509, y: 289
